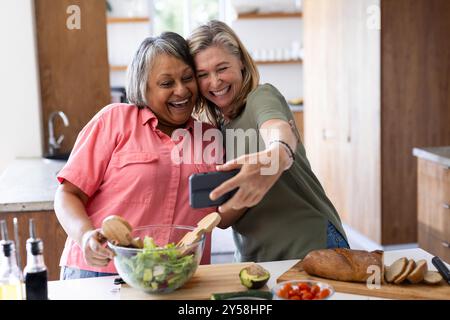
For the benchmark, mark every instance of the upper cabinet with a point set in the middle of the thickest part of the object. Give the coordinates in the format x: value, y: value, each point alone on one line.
x: 73, y: 66
x: 376, y: 85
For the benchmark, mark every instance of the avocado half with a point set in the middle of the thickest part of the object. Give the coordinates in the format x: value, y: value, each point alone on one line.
x: 254, y: 276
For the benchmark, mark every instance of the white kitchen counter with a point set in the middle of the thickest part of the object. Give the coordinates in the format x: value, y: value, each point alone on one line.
x: 103, y: 288
x: 29, y: 184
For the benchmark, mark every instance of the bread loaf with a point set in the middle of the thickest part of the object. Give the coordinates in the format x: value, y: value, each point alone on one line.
x: 343, y: 264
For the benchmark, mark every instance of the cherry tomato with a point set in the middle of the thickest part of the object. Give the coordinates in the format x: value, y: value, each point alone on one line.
x: 324, y: 293
x: 307, y: 296
x: 315, y: 289
x: 303, y: 286
x: 283, y: 294
x: 287, y: 287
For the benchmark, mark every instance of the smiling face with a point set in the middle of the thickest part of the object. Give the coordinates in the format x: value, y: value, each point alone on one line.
x: 219, y: 75
x: 171, y: 91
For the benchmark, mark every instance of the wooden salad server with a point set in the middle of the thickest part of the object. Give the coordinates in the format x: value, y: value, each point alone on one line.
x: 118, y: 231
x: 206, y: 224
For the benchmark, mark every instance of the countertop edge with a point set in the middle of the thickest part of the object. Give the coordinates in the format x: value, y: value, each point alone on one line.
x: 431, y: 155
x: 26, y: 207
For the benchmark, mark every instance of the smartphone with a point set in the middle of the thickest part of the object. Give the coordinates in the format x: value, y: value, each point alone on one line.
x: 201, y: 185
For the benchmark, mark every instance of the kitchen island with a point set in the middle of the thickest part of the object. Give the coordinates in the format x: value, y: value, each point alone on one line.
x: 105, y: 289
x: 29, y: 184
x: 433, y: 200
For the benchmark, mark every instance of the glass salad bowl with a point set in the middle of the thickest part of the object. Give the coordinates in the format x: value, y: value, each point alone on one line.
x: 158, y: 267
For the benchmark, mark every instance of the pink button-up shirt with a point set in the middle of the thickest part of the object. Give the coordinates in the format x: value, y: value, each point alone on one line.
x: 123, y: 163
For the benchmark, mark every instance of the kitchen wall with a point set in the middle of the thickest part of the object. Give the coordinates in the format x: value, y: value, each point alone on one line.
x: 272, y: 34
x: 20, y: 134
x: 258, y: 35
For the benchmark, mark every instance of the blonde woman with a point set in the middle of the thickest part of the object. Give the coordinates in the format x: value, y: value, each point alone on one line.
x: 276, y: 216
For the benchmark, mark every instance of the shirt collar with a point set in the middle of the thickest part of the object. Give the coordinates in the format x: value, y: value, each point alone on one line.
x: 148, y: 116
x: 190, y: 124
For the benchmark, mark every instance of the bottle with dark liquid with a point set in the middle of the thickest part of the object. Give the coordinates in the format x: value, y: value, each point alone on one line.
x: 35, y: 272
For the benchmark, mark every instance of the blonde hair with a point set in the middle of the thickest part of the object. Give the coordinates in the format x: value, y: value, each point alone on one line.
x: 217, y: 33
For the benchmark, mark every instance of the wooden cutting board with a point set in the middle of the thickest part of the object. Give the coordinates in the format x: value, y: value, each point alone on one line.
x: 208, y: 279
x: 405, y: 291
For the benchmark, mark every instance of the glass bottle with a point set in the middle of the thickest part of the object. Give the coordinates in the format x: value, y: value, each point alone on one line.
x: 35, y: 272
x: 11, y: 287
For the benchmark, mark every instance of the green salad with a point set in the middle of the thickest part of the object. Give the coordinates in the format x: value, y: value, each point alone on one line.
x: 161, y: 270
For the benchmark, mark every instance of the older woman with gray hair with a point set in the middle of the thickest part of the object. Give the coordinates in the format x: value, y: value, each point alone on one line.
x: 121, y: 162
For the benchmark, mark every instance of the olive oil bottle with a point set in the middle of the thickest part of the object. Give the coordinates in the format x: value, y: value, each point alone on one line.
x: 11, y: 287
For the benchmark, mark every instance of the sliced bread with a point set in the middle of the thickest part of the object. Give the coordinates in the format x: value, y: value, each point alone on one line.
x: 409, y: 268
x: 432, y: 277
x: 395, y: 269
x: 418, y: 274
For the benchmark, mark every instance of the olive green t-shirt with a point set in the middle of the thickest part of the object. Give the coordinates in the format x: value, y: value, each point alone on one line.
x: 293, y: 216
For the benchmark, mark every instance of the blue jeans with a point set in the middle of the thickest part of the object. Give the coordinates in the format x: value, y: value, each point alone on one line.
x: 335, y: 239
x: 73, y: 273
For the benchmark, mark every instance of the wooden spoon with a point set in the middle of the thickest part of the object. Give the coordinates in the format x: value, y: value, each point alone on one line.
x: 205, y: 225
x: 118, y: 231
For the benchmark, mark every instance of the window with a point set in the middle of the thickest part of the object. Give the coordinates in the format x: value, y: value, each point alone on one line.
x: 183, y: 16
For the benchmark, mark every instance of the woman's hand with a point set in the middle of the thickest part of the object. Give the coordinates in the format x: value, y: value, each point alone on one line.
x: 259, y: 172
x: 70, y: 208
x: 94, y: 252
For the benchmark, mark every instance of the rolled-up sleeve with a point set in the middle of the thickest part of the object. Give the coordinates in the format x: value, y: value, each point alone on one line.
x: 90, y: 157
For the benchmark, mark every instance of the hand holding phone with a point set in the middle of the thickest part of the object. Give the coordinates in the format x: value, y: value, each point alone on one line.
x: 201, y: 185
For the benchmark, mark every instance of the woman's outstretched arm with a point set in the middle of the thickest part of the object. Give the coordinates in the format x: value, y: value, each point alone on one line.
x: 260, y: 170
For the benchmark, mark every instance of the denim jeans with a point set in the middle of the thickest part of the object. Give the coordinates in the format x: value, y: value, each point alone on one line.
x: 73, y: 273
x: 335, y: 239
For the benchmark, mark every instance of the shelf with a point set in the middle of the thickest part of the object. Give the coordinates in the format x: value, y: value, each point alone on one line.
x: 118, y: 68
x: 270, y: 15
x: 268, y: 62
x: 298, y: 61
x: 127, y: 19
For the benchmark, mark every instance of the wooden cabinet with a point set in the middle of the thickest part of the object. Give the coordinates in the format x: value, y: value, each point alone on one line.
x: 48, y: 229
x: 73, y: 65
x: 371, y: 95
x: 298, y: 117
x: 433, y: 208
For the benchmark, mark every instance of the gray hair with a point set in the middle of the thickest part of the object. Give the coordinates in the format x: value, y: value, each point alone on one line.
x: 169, y: 43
